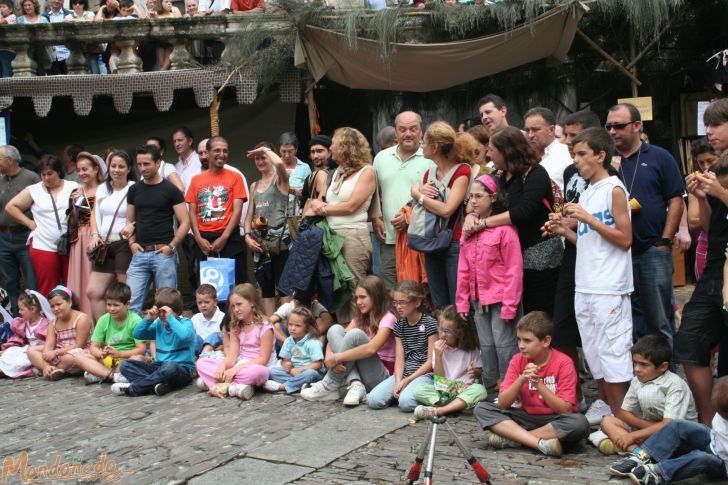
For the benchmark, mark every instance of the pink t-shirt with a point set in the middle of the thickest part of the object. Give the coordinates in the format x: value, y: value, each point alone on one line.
x: 250, y: 342
x: 558, y: 374
x: 455, y: 363
x: 386, y: 352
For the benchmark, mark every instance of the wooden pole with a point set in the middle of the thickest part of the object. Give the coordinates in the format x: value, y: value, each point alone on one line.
x: 608, y: 57
x: 214, y: 116
x: 633, y: 63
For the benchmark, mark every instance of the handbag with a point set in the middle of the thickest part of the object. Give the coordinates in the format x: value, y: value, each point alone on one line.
x: 98, y: 254
x: 62, y: 244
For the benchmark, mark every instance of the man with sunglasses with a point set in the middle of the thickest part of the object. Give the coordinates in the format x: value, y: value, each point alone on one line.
x: 656, y: 188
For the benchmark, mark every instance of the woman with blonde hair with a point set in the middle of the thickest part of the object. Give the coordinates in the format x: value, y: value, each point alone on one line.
x: 347, y: 202
x: 442, y: 193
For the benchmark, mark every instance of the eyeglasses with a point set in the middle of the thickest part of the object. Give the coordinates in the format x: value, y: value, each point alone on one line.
x: 618, y: 126
x: 446, y: 332
x: 400, y: 302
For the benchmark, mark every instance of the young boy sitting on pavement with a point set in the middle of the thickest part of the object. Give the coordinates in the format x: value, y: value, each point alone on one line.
x: 175, y: 358
x: 682, y: 449
x: 537, y: 402
x: 655, y: 397
x: 112, y: 341
x: 207, y: 323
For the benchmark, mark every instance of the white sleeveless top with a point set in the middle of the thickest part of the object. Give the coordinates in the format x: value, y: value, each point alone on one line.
x: 601, y: 267
x: 357, y: 220
x: 46, y: 235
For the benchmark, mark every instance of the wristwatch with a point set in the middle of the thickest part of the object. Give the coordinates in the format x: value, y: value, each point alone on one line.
x: 172, y: 246
x: 663, y: 242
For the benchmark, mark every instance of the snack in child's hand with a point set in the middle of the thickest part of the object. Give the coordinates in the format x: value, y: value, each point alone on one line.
x: 219, y: 390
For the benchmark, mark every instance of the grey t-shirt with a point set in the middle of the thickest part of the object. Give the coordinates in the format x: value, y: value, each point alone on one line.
x: 9, y: 188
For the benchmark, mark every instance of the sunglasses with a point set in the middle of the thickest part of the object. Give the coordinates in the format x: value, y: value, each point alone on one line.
x: 617, y: 126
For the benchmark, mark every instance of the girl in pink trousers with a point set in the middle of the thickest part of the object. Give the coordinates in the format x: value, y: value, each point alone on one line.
x: 490, y: 280
x: 248, y: 347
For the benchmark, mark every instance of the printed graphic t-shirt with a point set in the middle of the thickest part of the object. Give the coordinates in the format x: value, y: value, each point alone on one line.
x: 214, y: 195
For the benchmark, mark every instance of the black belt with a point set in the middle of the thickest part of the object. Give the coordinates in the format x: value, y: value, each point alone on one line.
x: 153, y: 247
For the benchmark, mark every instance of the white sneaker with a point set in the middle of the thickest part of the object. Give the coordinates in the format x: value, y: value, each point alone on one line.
x: 597, y: 437
x: 242, y: 391
x: 272, y: 386
x: 597, y: 411
x: 120, y: 388
x: 318, y: 392
x: 89, y: 378
x: 120, y: 378
x: 425, y: 412
x: 356, y: 395
x: 200, y: 384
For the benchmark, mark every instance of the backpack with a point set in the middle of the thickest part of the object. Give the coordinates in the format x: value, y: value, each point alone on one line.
x: 428, y: 232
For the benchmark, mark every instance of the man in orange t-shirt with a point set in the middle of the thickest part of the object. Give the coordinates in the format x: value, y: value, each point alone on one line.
x: 215, y: 199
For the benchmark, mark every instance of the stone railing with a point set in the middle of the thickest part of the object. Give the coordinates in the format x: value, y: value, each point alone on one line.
x: 127, y: 34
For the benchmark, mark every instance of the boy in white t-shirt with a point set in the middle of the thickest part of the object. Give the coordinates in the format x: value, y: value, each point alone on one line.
x: 603, y: 276
x: 207, y: 323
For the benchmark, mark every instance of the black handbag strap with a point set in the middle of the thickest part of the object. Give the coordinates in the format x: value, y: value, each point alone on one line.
x: 55, y: 211
x: 113, y: 219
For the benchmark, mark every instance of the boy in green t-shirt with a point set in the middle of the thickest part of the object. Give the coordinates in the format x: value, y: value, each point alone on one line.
x: 112, y: 341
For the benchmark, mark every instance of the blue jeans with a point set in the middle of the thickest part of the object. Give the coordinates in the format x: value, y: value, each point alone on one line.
x: 684, y: 434
x: 144, y: 266
x: 14, y: 260
x: 381, y: 396
x: 294, y: 384
x: 652, y: 310
x: 143, y: 376
x: 214, y: 340
x: 442, y: 275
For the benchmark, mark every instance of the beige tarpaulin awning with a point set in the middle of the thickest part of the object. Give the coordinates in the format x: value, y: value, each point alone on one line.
x: 429, y: 67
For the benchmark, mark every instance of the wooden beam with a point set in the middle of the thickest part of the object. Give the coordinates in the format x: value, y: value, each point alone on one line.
x: 608, y: 57
x: 649, y: 46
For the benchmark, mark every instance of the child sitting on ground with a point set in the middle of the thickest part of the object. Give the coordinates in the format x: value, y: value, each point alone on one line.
x: 175, y: 349
x: 112, y: 340
x: 457, y: 367
x: 682, y: 449
x: 302, y: 355
x: 28, y: 330
x: 655, y: 397
x: 67, y: 337
x: 207, y: 323
x: 320, y: 313
x: 544, y: 380
x: 414, y: 337
x: 248, y: 343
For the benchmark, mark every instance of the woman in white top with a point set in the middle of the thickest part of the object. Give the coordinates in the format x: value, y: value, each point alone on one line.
x: 347, y: 202
x: 47, y: 201
x: 110, y: 200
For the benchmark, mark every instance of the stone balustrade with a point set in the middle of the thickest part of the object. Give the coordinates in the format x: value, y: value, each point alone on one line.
x: 127, y: 34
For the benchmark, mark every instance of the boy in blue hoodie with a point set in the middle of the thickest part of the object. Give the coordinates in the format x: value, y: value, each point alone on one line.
x: 175, y: 358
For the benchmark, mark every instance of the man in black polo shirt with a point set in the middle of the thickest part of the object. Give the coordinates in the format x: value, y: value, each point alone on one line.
x: 705, y: 316
x: 14, y: 257
x: 152, y: 205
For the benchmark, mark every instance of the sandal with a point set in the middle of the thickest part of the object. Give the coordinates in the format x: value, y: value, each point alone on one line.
x: 57, y: 374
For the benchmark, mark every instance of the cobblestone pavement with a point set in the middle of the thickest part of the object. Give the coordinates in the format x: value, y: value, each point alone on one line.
x: 187, y: 437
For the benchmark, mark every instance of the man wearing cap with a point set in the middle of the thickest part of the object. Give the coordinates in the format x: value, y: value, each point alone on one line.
x: 14, y: 256
x: 398, y: 168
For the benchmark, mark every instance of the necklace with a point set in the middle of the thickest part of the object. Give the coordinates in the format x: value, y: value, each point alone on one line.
x: 637, y: 167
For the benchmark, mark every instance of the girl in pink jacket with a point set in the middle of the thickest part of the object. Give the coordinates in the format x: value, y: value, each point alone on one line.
x: 490, y: 280
x: 29, y: 329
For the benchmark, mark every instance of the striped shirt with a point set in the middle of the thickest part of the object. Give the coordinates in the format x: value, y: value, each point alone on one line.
x: 667, y: 396
x: 414, y: 340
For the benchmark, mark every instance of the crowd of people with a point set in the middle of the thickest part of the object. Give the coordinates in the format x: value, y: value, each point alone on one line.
x: 453, y: 271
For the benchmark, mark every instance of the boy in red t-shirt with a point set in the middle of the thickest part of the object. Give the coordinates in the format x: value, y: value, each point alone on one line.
x: 536, y: 405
